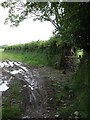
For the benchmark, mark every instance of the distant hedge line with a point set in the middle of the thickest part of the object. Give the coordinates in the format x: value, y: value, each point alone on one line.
x: 51, y: 46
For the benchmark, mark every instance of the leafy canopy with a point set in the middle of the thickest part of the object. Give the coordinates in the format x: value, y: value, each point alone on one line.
x: 71, y: 20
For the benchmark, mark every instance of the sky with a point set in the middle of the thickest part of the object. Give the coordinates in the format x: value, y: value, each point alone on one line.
x: 27, y: 31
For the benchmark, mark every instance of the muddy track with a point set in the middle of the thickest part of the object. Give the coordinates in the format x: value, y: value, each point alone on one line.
x: 37, y: 93
x: 33, y: 86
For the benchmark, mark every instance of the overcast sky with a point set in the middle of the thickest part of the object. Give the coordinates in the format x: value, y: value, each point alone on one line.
x: 26, y: 32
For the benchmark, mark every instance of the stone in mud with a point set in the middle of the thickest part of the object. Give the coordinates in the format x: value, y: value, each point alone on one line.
x: 76, y: 113
x: 25, y: 117
x: 56, y: 116
x: 51, y: 99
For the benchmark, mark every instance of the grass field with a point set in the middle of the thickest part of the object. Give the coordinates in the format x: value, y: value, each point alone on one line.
x: 33, y: 58
x: 1, y: 50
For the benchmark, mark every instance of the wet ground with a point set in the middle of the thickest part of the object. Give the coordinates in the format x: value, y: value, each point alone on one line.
x: 35, y: 88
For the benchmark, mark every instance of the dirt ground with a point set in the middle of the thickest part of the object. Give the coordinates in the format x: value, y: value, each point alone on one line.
x: 34, y: 90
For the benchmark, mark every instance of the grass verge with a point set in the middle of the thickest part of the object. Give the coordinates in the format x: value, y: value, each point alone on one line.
x: 80, y: 84
x: 32, y: 58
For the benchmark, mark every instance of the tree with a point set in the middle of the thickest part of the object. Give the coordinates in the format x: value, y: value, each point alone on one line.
x: 76, y: 24
x: 71, y: 20
x: 43, y: 11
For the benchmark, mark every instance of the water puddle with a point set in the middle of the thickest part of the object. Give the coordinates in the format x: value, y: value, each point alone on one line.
x: 18, y: 70
x: 1, y: 65
x: 11, y: 63
x: 3, y: 86
x: 4, y: 83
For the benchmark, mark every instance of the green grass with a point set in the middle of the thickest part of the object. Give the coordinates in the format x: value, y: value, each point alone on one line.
x: 33, y: 58
x: 11, y: 112
x: 80, y: 85
x: 0, y: 112
x: 1, y: 50
x: 14, y: 89
x: 67, y: 111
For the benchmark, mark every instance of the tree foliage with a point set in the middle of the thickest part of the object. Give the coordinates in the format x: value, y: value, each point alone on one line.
x: 71, y: 20
x: 51, y: 46
x: 76, y: 24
